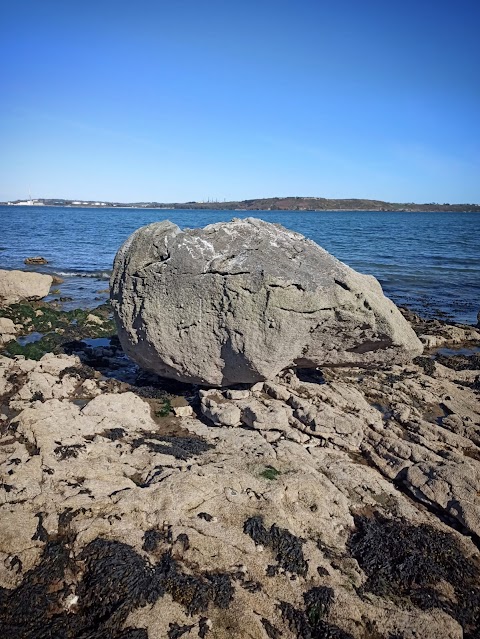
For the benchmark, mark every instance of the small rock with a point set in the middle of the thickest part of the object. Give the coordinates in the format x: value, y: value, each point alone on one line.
x: 23, y: 285
x: 237, y: 394
x: 35, y: 260
x: 182, y: 411
x: 219, y: 412
x: 94, y: 319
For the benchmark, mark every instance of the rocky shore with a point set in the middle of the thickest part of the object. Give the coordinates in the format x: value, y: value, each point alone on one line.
x: 255, y: 447
x: 333, y: 502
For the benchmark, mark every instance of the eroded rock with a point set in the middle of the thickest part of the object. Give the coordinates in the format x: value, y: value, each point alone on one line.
x: 240, y: 301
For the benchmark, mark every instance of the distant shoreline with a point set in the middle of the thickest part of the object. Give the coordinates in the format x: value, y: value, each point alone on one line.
x: 220, y: 210
x: 300, y: 204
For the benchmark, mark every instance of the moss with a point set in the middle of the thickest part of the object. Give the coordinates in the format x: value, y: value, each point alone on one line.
x: 165, y: 409
x: 270, y: 473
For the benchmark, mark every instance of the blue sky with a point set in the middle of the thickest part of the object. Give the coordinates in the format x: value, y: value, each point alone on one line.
x: 189, y: 100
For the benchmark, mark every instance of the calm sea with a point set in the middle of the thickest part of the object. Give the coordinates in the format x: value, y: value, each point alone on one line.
x: 427, y: 261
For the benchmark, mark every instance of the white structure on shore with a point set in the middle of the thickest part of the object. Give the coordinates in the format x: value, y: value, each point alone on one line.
x: 26, y: 203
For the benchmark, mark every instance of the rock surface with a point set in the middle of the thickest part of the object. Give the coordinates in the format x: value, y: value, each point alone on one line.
x: 240, y: 301
x: 22, y: 285
x: 339, y: 505
x: 8, y: 330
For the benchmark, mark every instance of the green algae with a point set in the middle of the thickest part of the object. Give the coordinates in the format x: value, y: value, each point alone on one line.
x: 270, y: 473
x: 56, y: 326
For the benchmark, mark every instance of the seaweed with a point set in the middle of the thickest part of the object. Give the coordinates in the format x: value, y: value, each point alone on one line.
x: 68, y: 451
x: 113, y: 433
x: 310, y: 622
x: 427, y: 363
x: 153, y: 537
x: 203, y: 627
x: 272, y: 632
x: 110, y: 580
x: 287, y: 547
x: 79, y: 372
x: 41, y: 533
x: 408, y: 564
x: 460, y: 362
x: 205, y: 516
x: 193, y: 592
x: 58, y: 328
x: 165, y: 409
x: 183, y: 540
x: 177, y: 631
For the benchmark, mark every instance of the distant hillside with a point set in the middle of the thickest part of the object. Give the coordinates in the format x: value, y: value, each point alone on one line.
x: 272, y: 204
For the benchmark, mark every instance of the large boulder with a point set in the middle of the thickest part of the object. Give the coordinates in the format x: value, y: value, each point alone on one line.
x: 23, y: 285
x: 240, y: 301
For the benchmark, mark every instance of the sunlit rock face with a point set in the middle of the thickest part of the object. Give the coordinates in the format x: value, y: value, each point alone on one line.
x: 238, y: 302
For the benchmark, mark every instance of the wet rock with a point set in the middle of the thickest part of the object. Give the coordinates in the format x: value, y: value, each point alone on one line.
x: 238, y: 302
x: 35, y: 260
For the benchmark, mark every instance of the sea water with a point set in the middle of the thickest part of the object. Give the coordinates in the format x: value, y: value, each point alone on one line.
x: 429, y: 262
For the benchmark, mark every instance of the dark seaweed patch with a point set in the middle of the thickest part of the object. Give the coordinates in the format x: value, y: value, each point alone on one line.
x: 193, y: 592
x: 310, y: 623
x: 69, y: 451
x: 460, y: 362
x: 409, y: 563
x: 287, y: 547
x: 153, y: 537
x: 427, y: 363
x: 205, y: 516
x: 179, y: 447
x: 251, y: 586
x: 111, y: 580
x: 183, y: 540
x: 113, y: 433
x: 79, y: 372
x: 41, y: 533
x: 177, y: 631
x: 272, y: 632
x: 203, y: 627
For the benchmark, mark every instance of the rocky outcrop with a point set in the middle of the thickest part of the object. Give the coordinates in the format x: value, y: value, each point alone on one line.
x: 238, y: 302
x: 342, y: 504
x: 23, y: 285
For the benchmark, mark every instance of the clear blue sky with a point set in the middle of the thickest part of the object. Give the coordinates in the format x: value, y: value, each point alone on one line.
x: 190, y: 99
